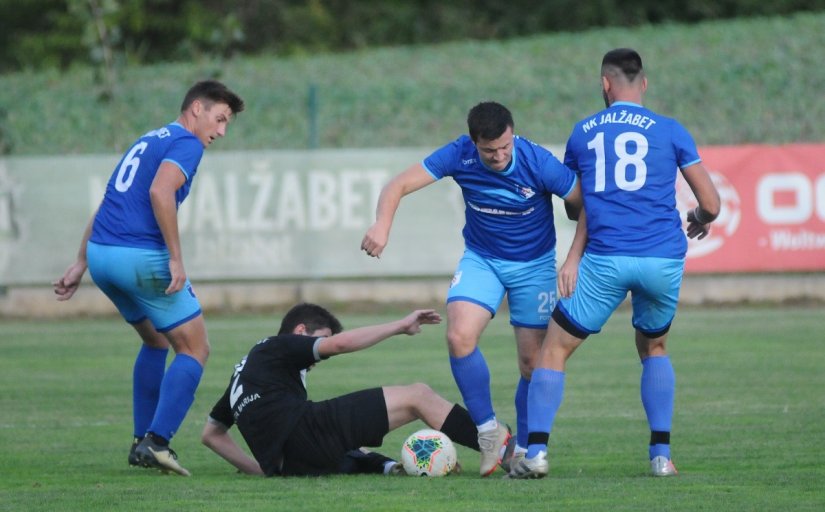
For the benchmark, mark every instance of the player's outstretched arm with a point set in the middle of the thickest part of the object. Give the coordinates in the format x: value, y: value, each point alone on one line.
x: 365, y: 337
x: 377, y: 236
x: 706, y: 194
x: 216, y: 437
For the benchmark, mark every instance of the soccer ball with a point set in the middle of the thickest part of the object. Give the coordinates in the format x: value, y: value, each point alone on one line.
x: 428, y: 453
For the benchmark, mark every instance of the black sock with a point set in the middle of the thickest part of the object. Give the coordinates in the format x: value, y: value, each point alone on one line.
x: 460, y: 428
x: 162, y: 441
x: 356, y: 461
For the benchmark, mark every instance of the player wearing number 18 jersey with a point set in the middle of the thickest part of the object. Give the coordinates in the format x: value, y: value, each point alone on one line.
x: 631, y: 238
x: 627, y: 157
x: 132, y: 250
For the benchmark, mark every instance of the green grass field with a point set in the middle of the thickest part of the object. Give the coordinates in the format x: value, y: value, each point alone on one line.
x: 748, y: 429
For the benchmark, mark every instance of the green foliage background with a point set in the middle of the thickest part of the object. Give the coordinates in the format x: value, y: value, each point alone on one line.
x: 38, y: 34
x: 729, y: 82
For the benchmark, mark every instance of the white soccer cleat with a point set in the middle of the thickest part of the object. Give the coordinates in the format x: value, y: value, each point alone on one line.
x: 527, y: 468
x: 662, y: 466
x: 491, y: 443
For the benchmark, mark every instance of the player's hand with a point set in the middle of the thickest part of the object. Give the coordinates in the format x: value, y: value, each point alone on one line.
x: 695, y: 228
x: 65, y: 287
x: 412, y: 323
x: 568, y: 277
x: 375, y: 240
x: 178, y: 277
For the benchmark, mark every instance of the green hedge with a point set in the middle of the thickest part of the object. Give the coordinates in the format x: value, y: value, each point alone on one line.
x: 745, y: 81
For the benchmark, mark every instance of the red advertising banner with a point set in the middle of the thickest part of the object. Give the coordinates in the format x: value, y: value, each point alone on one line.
x: 773, y: 209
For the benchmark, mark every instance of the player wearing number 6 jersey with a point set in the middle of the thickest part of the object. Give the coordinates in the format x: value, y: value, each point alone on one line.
x: 132, y: 250
x: 630, y: 236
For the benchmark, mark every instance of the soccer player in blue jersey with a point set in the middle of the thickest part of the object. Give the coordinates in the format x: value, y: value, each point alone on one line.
x: 507, y: 183
x: 132, y: 249
x: 629, y: 239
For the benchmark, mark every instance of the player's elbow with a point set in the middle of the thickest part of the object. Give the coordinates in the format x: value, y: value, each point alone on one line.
x: 572, y: 210
x: 210, y: 434
x: 206, y: 439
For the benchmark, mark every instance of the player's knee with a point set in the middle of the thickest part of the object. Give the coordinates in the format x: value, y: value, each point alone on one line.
x: 460, y: 343
x: 421, y: 393
x: 525, y: 367
x: 421, y: 388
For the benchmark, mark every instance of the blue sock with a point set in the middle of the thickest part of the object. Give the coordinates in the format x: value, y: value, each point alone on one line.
x: 658, y: 386
x: 177, y: 392
x: 543, y: 401
x: 147, y: 375
x: 472, y: 376
x: 521, y: 412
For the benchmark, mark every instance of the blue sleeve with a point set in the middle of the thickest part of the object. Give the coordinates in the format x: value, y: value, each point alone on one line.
x: 557, y: 177
x: 186, y: 153
x: 570, y: 155
x: 443, y: 161
x: 684, y: 147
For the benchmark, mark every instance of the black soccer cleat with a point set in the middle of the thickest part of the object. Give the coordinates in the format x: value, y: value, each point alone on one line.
x: 153, y: 455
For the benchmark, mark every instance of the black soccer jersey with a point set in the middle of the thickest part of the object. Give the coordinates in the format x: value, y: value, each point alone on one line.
x: 267, y: 394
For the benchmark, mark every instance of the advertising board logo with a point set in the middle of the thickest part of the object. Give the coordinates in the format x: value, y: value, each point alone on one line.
x: 725, y: 224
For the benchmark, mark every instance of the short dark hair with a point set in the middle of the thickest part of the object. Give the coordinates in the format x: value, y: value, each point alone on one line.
x: 313, y: 316
x: 626, y: 61
x: 214, y: 92
x: 488, y: 120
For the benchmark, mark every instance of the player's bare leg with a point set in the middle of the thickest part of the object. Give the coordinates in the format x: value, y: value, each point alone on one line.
x: 415, y: 401
x: 419, y: 401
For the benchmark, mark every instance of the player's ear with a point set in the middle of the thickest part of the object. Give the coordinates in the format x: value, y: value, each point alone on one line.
x: 605, y: 84
x: 300, y: 329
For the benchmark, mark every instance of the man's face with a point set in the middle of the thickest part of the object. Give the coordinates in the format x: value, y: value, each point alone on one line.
x: 211, y: 121
x: 326, y: 332
x: 497, y: 153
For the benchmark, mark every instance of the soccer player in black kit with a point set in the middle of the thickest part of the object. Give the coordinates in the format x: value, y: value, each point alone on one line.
x: 291, y: 435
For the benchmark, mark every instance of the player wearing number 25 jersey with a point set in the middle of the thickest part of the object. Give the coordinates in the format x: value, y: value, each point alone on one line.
x: 630, y: 235
x: 132, y: 250
x: 507, y: 183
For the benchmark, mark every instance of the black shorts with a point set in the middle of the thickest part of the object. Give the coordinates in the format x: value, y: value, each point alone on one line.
x: 328, y: 430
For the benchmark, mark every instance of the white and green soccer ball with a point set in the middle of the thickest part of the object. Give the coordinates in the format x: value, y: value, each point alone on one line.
x: 428, y: 453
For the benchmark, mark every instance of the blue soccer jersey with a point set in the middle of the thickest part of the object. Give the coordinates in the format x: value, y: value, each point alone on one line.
x: 627, y: 158
x: 508, y: 214
x: 125, y: 217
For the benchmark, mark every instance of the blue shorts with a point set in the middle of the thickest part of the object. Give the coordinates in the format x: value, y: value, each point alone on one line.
x: 603, y: 284
x: 530, y: 286
x: 135, y: 280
